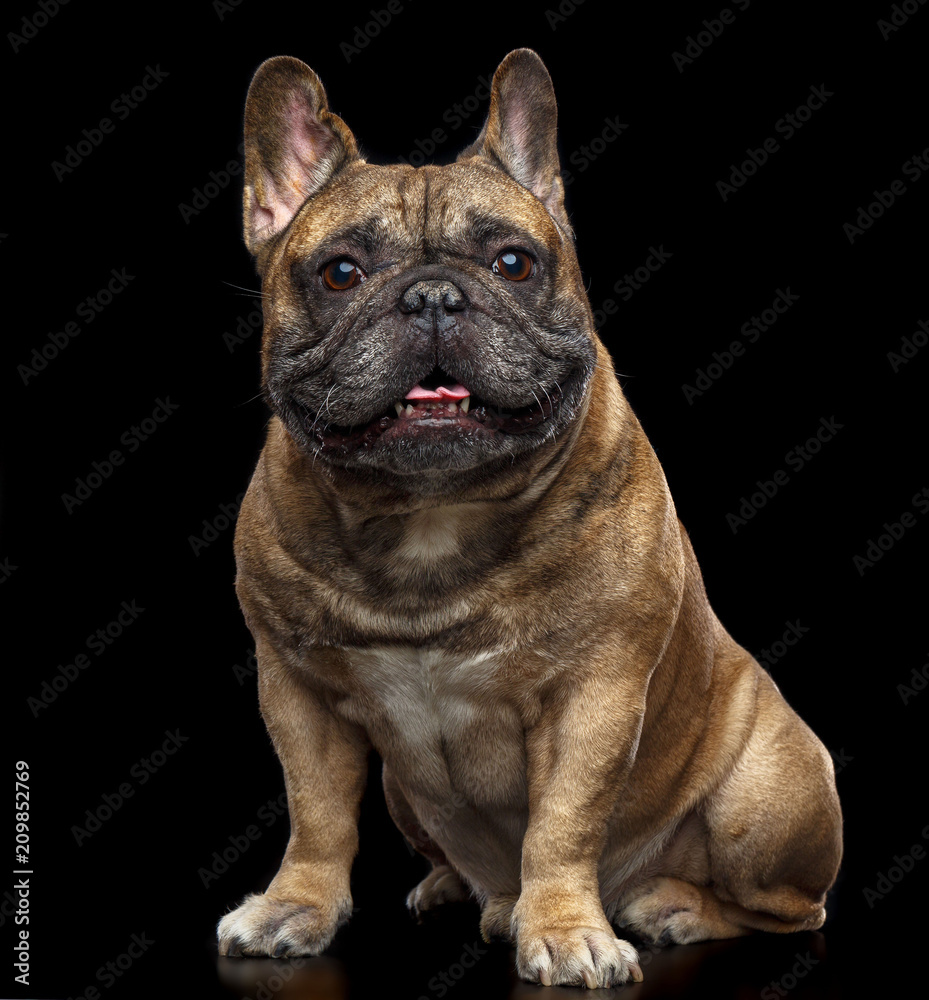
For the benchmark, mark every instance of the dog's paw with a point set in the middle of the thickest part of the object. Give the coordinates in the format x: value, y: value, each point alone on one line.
x: 278, y: 928
x: 578, y: 956
x: 663, y: 911
x: 441, y: 885
x: 496, y: 918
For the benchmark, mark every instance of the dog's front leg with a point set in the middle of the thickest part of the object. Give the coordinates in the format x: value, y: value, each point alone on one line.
x: 325, y: 765
x: 578, y: 756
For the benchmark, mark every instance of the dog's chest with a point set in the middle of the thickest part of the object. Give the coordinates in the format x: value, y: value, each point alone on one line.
x: 440, y: 720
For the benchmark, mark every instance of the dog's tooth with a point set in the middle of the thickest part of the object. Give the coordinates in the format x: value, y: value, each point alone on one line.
x: 452, y: 407
x: 464, y: 404
x: 409, y: 409
x: 399, y: 408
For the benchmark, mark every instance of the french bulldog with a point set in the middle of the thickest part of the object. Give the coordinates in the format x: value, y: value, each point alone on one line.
x: 459, y: 549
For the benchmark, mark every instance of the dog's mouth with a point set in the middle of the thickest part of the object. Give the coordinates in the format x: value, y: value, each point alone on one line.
x: 438, y: 405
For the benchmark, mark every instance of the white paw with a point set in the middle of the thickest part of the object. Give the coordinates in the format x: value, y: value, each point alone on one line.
x: 580, y: 956
x: 663, y: 911
x: 497, y: 918
x: 278, y: 928
x: 441, y: 885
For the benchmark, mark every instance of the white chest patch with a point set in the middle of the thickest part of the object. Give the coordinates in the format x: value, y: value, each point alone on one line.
x: 432, y: 534
x: 439, y: 720
x: 424, y: 691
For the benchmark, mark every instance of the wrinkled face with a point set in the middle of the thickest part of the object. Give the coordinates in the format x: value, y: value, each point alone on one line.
x: 425, y: 323
x: 425, y: 329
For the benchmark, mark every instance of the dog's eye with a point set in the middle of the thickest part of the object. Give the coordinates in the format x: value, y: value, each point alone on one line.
x: 342, y: 273
x: 514, y: 265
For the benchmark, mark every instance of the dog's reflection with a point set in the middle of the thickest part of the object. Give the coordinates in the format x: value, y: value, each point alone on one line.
x: 745, y: 967
x: 752, y: 967
x: 284, y: 979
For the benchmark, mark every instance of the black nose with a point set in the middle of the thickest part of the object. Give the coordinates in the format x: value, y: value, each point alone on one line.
x: 438, y: 296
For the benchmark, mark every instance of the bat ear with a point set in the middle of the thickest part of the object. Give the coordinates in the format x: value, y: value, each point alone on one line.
x: 294, y: 145
x: 520, y: 134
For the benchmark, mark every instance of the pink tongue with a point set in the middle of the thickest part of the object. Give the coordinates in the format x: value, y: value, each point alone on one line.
x: 456, y: 392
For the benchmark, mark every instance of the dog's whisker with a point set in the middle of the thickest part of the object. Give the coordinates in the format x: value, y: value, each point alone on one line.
x: 256, y: 292
x: 326, y: 401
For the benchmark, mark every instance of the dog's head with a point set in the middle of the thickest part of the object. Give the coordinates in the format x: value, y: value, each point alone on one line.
x: 426, y: 327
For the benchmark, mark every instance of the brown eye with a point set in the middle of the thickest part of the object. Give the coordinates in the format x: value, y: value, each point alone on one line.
x: 342, y: 273
x: 513, y: 264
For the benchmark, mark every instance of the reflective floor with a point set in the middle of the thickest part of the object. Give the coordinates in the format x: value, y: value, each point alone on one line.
x: 447, y: 959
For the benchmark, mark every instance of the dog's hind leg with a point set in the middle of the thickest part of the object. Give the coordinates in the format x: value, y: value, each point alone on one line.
x: 443, y: 884
x: 766, y: 850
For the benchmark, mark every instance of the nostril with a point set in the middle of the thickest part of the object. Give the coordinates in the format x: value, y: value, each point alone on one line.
x: 412, y: 300
x: 453, y: 297
x: 437, y: 296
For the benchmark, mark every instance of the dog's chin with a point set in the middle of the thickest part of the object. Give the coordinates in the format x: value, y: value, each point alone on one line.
x: 433, y: 443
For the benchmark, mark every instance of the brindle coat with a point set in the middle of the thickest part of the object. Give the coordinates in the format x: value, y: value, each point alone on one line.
x: 516, y: 622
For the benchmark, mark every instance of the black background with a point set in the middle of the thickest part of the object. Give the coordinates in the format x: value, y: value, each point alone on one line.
x: 133, y: 539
